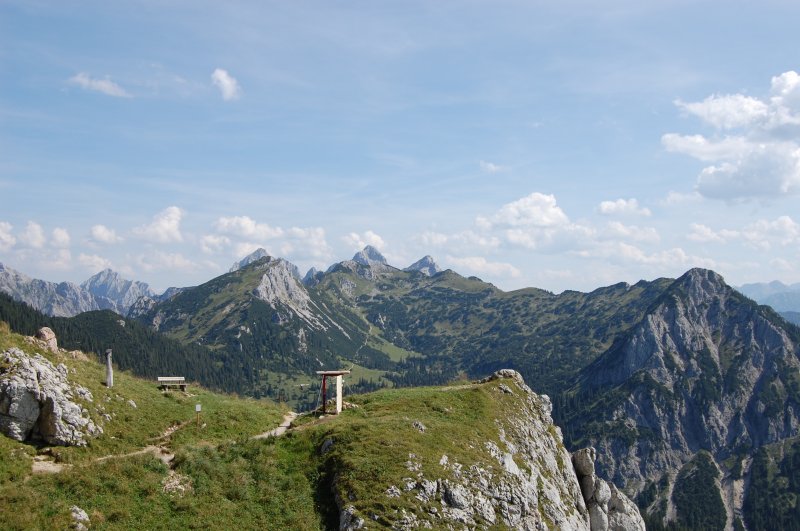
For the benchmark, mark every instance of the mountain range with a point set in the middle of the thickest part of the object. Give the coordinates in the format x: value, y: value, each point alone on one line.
x: 682, y: 384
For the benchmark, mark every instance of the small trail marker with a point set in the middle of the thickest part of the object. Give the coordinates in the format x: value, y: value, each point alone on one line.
x: 197, y: 409
x: 109, y: 370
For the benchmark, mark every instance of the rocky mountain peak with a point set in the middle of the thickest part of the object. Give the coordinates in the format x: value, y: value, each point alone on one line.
x: 369, y: 256
x: 425, y: 265
x: 115, y: 292
x: 258, y: 254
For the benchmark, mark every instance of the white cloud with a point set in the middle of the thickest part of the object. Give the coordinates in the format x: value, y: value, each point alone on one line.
x: 677, y: 198
x: 781, y: 265
x: 246, y: 227
x: 214, y: 243
x: 616, y: 229
x: 623, y: 206
x: 165, y: 227
x: 359, y: 241
x: 164, y: 261
x: 7, y: 239
x: 762, y: 158
x: 490, y: 167
x: 703, y: 234
x: 763, y: 234
x: 94, y: 262
x: 105, y: 86
x: 102, y: 234
x: 534, y: 210
x: 728, y: 111
x: 667, y: 259
x: 33, y: 236
x: 227, y: 84
x: 479, y: 264
x: 60, y: 237
x: 60, y: 260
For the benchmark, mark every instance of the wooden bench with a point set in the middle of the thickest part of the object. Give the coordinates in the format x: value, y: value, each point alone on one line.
x: 165, y: 382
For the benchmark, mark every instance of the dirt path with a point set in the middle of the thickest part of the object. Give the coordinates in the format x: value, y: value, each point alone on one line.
x: 46, y: 465
x: 280, y: 430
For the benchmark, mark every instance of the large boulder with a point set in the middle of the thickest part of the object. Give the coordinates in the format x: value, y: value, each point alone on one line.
x: 37, y: 401
x: 48, y: 337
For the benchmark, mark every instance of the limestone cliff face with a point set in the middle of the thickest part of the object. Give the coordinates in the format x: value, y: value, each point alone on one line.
x: 525, y: 479
x: 706, y: 369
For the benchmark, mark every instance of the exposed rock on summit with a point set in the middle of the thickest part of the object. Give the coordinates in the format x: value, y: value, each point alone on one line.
x: 425, y: 265
x: 369, y: 256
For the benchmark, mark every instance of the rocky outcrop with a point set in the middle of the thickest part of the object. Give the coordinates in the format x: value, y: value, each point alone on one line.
x: 609, y: 509
x: 38, y: 402
x: 425, y: 265
x: 524, y: 480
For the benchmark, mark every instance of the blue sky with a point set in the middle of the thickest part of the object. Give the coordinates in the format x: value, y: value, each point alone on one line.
x: 562, y: 145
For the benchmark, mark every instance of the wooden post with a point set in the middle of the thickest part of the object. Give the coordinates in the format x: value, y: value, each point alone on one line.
x: 197, y: 409
x: 109, y: 370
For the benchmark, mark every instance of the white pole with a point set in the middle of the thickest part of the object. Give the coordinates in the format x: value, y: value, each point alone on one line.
x: 109, y: 370
x: 338, y: 394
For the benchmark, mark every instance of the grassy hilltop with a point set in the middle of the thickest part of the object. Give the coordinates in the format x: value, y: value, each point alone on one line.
x: 221, y: 476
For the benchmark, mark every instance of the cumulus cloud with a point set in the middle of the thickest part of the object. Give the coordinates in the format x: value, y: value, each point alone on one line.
x: 60, y: 238
x: 33, y: 236
x: 490, y: 167
x: 756, y: 150
x: 247, y: 227
x: 102, y: 234
x: 164, y: 261
x: 534, y: 210
x: 623, y: 206
x: 165, y: 227
x: 104, y: 86
x: 7, y: 239
x: 60, y: 260
x: 618, y: 230
x: 214, y: 243
x: 94, y: 262
x: 479, y: 265
x: 227, y: 84
x: 359, y: 241
x: 762, y: 234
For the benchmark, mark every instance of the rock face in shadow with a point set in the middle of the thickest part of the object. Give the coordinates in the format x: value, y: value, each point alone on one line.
x: 38, y: 402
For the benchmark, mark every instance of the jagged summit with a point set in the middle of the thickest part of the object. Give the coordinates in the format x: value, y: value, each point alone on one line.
x: 115, y: 292
x: 258, y: 254
x: 369, y: 256
x: 425, y: 265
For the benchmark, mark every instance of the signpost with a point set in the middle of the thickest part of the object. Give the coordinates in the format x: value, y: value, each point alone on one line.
x: 197, y: 409
x: 338, y: 376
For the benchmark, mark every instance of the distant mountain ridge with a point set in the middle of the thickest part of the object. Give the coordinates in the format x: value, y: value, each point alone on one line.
x: 782, y: 297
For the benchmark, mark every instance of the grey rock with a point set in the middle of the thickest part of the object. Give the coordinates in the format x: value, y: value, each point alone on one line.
x: 369, y: 256
x: 36, y: 400
x: 115, y: 293
x: 47, y: 336
x: 419, y: 426
x: 425, y: 265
